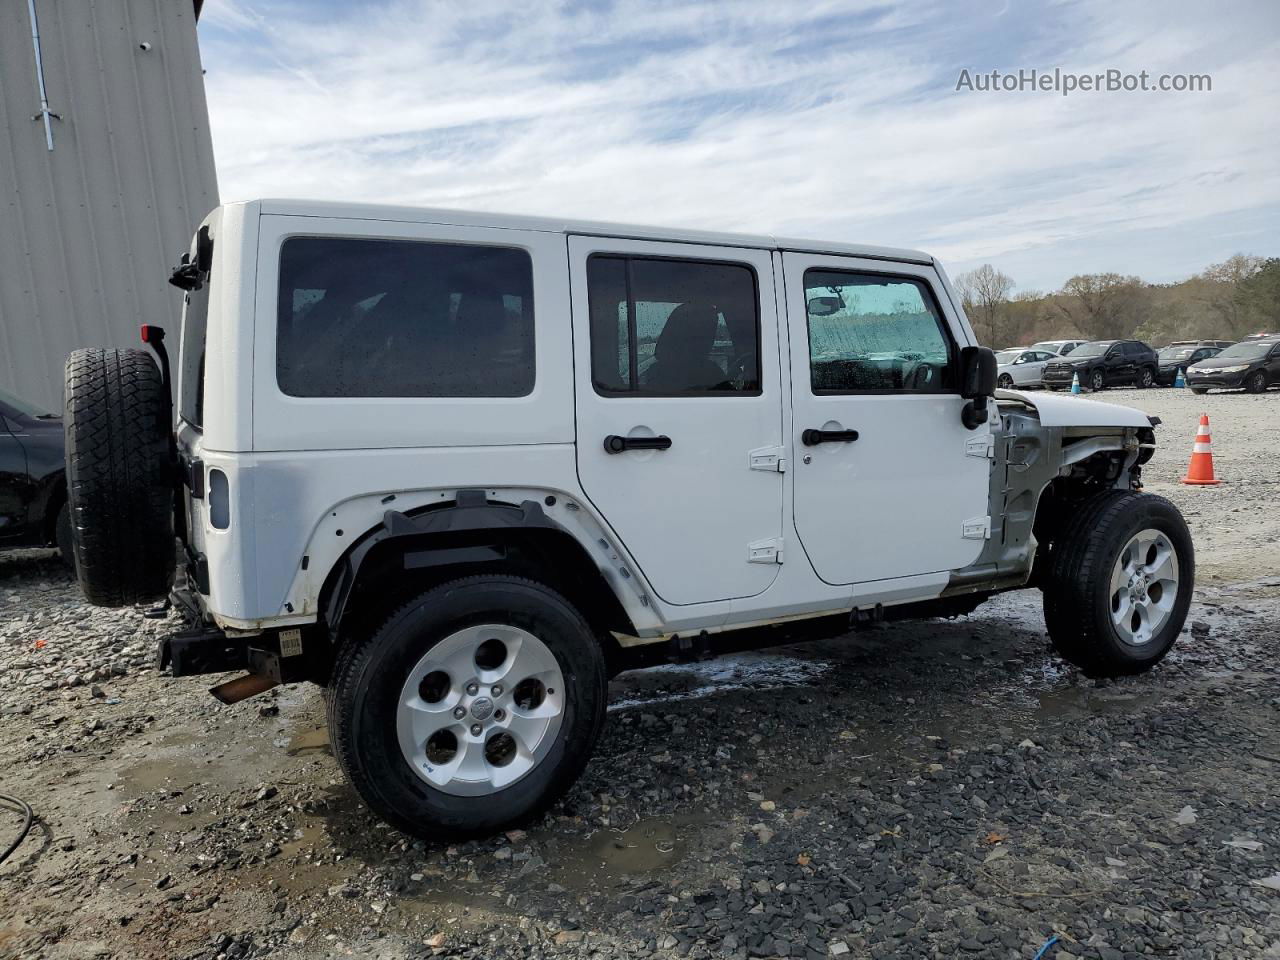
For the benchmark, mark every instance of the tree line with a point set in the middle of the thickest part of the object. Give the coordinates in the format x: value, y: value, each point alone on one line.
x: 1225, y: 301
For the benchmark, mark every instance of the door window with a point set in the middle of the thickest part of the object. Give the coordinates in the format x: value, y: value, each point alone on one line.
x: 403, y: 318
x: 872, y: 334
x: 663, y: 327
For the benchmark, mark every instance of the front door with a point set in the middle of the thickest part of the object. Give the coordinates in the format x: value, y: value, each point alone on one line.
x: 679, y: 410
x: 888, y: 481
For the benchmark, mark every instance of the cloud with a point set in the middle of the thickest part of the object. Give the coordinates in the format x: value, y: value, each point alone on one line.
x: 837, y: 120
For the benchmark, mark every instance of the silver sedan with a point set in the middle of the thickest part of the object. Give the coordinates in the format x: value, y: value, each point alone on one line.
x: 1021, y: 367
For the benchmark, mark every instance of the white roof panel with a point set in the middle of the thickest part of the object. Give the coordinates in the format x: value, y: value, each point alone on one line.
x: 370, y: 211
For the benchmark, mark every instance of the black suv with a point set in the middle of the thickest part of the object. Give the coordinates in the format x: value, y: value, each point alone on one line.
x: 1253, y: 364
x: 1179, y: 356
x: 1104, y: 363
x: 33, y: 486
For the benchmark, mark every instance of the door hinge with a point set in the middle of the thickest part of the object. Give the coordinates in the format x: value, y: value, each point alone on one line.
x: 977, y: 528
x: 770, y: 459
x: 765, y: 551
x: 981, y: 447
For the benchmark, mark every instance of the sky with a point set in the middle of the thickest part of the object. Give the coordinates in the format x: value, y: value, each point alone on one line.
x: 831, y: 120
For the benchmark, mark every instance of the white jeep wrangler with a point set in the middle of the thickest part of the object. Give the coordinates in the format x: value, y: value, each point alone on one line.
x: 458, y: 468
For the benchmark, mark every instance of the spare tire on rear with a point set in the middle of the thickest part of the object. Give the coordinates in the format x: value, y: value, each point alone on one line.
x: 120, y: 476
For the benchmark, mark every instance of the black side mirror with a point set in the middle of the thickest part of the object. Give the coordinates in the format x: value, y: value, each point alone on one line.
x: 977, y: 384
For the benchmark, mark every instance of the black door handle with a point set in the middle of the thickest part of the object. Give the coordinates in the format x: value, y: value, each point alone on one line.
x: 616, y: 444
x: 811, y: 437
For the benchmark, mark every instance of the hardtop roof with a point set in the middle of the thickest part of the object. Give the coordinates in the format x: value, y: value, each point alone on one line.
x: 369, y: 211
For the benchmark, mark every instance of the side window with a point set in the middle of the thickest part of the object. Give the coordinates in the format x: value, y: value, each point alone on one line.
x: 403, y: 318
x: 673, y: 327
x: 872, y: 333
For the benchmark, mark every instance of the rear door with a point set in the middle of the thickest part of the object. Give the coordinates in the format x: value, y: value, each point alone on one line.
x: 679, y: 410
x: 888, y: 481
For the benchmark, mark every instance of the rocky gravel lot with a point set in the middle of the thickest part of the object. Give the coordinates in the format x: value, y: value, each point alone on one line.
x: 942, y: 789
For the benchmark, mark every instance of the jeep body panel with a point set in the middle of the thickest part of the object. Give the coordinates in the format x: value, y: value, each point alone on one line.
x: 739, y: 523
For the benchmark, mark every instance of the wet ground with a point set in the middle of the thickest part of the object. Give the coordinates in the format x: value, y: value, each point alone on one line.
x: 939, y: 789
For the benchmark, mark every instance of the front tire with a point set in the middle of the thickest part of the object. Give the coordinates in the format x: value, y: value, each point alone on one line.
x: 1199, y: 391
x: 436, y: 724
x: 1119, y: 584
x: 1097, y: 382
x: 1257, y: 382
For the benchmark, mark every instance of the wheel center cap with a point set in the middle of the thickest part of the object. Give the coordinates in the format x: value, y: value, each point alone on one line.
x: 481, y: 708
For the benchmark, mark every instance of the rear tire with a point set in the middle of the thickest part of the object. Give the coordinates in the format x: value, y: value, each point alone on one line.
x: 1005, y: 382
x: 119, y: 476
x: 1147, y: 378
x: 1113, y: 542
x: 376, y: 703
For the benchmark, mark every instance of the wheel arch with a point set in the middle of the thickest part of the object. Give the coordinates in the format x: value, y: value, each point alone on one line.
x: 411, y: 552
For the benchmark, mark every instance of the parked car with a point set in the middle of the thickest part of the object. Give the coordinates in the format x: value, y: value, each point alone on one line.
x: 1220, y: 344
x: 1104, y: 363
x: 1177, y: 357
x: 1060, y: 347
x: 1253, y: 364
x: 458, y: 468
x: 1021, y: 367
x: 33, y: 489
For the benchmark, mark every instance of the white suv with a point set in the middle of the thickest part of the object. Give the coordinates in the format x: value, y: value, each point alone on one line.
x: 456, y: 467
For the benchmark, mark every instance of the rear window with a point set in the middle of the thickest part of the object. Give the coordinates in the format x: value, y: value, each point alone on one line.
x: 403, y: 318
x: 195, y: 321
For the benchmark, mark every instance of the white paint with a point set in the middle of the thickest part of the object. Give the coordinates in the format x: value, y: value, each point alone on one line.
x: 678, y: 533
x: 1072, y: 411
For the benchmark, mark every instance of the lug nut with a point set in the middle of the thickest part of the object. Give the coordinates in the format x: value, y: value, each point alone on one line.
x: 497, y: 689
x: 499, y: 714
x: 473, y: 688
x: 459, y: 713
x: 475, y: 729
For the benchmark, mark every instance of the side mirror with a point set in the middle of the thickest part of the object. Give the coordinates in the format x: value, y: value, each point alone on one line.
x: 977, y: 384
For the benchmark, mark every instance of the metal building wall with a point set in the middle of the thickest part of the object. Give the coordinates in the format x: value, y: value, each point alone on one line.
x: 90, y: 230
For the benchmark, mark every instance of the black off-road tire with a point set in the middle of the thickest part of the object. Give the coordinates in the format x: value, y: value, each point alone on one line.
x: 370, y: 671
x: 119, y: 476
x: 1077, y: 601
x: 1256, y: 382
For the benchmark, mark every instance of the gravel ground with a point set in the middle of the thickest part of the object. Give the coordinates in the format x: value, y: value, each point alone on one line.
x: 941, y: 789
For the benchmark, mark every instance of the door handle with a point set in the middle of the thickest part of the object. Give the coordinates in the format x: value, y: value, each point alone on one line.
x: 616, y: 444
x: 811, y: 437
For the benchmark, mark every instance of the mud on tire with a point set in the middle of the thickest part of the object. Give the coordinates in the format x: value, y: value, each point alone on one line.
x: 119, y: 476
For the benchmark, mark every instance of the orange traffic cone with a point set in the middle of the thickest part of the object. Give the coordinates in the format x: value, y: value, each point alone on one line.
x: 1200, y: 470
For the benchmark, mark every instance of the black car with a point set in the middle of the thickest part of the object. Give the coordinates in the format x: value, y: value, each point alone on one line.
x: 1179, y: 356
x: 33, y: 487
x: 1252, y: 364
x: 1104, y: 363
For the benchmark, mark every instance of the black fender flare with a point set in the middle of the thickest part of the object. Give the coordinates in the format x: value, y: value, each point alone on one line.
x: 470, y: 512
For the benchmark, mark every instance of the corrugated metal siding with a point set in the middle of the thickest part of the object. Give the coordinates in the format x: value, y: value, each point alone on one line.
x: 89, y: 232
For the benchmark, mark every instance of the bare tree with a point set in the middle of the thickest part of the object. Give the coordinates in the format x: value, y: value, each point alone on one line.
x: 985, y: 292
x: 1104, y: 305
x: 1219, y: 286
